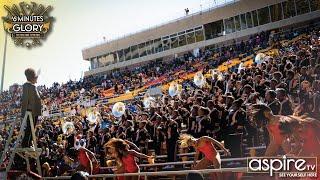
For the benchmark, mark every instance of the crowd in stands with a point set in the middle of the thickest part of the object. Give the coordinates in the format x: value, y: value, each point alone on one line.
x: 288, y: 82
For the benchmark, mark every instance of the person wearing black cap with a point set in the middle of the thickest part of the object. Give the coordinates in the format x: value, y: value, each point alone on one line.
x: 30, y: 101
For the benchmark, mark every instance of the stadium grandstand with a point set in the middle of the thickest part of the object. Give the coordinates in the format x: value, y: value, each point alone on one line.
x: 231, y: 78
x: 212, y: 28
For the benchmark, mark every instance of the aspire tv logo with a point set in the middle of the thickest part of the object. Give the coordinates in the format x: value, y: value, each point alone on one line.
x: 284, y: 166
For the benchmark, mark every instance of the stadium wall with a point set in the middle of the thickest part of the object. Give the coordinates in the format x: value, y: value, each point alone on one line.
x: 198, y: 20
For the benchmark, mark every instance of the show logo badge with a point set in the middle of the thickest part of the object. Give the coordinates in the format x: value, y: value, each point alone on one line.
x: 284, y: 167
x: 27, y: 24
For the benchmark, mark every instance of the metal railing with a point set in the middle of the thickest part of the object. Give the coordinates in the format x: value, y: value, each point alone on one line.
x: 220, y: 151
x: 180, y: 163
x: 162, y: 173
x: 190, y: 162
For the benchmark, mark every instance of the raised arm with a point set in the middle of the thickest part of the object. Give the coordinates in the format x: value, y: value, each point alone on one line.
x: 90, y: 162
x: 139, y: 155
x: 131, y: 144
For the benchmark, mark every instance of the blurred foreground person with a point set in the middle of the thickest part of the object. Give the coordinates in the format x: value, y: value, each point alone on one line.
x: 303, y: 131
x: 80, y: 175
x: 304, y: 134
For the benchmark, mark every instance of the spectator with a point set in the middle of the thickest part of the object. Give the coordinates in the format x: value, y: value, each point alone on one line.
x: 272, y: 102
x: 286, y: 105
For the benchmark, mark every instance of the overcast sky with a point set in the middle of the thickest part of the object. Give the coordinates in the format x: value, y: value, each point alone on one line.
x: 82, y: 23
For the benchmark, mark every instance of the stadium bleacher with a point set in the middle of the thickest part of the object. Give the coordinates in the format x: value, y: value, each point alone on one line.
x: 293, y: 51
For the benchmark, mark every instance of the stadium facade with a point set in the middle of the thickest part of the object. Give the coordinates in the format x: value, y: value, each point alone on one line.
x: 234, y: 19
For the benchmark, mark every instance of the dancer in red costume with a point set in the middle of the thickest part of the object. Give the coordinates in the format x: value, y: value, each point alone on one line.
x: 281, y: 128
x: 204, y: 145
x: 305, y: 135
x: 86, y: 159
x: 286, y: 131
x: 120, y: 150
x: 264, y: 117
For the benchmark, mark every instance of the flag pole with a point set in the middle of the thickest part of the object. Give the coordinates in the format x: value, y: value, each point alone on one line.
x: 4, y: 61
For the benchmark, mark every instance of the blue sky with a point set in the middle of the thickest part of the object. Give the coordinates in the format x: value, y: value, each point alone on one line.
x: 82, y: 23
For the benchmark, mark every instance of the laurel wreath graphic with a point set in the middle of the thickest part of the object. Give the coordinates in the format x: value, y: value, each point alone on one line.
x: 25, y: 9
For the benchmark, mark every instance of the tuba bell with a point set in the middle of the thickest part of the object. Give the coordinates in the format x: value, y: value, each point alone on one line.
x: 199, y: 80
x: 175, y: 89
x: 68, y: 128
x: 118, y: 109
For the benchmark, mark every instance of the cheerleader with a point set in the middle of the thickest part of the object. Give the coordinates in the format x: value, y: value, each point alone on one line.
x: 85, y: 158
x: 204, y: 145
x: 125, y: 157
x: 279, y: 131
x: 264, y: 118
x: 304, y: 134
